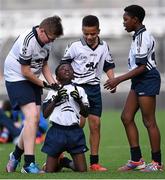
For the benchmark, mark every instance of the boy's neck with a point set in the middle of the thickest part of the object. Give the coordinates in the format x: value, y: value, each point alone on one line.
x: 95, y: 44
x: 65, y: 83
x: 138, y: 27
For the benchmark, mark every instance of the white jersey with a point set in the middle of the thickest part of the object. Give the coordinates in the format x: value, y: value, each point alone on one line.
x: 27, y: 50
x: 142, y: 50
x: 88, y: 63
x: 67, y: 113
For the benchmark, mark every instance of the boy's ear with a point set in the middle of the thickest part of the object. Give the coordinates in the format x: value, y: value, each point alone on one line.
x: 42, y: 30
x: 136, y: 19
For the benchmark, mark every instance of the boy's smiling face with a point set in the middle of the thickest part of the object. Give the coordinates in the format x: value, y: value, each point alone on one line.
x: 91, y: 35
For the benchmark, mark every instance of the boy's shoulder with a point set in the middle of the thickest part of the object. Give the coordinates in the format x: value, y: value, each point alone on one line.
x: 145, y: 35
x: 75, y: 42
x: 103, y: 42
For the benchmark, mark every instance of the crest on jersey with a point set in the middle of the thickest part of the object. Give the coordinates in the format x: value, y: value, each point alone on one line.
x: 138, y: 50
x: 24, y: 50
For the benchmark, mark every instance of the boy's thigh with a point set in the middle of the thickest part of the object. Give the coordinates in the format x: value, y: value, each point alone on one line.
x: 52, y: 164
x: 76, y: 142
x: 147, y: 105
x: 55, y: 142
x: 131, y: 106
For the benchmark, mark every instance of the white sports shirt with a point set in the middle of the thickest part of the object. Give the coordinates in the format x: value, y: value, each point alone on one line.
x: 142, y: 50
x: 27, y: 50
x: 88, y: 63
x: 68, y: 112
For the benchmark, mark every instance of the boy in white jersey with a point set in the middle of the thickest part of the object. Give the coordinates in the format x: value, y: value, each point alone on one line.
x: 27, y: 59
x: 67, y: 108
x: 89, y: 57
x: 145, y: 86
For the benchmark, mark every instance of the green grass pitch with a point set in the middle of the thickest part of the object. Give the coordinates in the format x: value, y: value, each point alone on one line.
x: 114, y: 152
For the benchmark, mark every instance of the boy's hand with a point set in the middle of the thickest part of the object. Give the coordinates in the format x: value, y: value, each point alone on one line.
x: 46, y: 85
x: 75, y: 95
x: 61, y: 95
x: 55, y: 86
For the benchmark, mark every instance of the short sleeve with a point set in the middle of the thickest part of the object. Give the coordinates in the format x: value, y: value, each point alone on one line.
x: 109, y: 63
x: 141, y: 50
x: 68, y: 54
x: 25, y: 54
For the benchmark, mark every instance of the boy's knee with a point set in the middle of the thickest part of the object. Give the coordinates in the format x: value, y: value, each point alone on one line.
x: 81, y: 169
x: 125, y: 118
x: 149, y: 124
x: 32, y: 117
x: 95, y: 128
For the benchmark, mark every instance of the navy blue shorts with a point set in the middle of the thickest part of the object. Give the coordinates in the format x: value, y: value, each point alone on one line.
x: 147, y: 84
x: 23, y: 92
x: 94, y: 96
x: 64, y: 138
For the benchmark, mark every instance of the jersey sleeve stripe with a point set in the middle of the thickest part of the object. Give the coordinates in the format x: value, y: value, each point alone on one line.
x: 27, y: 39
x: 24, y: 62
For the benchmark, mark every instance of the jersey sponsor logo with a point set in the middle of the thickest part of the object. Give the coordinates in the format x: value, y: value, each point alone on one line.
x: 91, y: 66
x: 93, y: 54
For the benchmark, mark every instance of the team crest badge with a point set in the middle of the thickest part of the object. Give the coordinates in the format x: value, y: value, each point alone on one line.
x: 138, y: 49
x: 24, y: 50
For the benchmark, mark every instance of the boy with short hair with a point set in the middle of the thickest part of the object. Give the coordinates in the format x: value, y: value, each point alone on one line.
x: 90, y: 56
x: 27, y: 59
x: 67, y: 108
x: 145, y: 86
